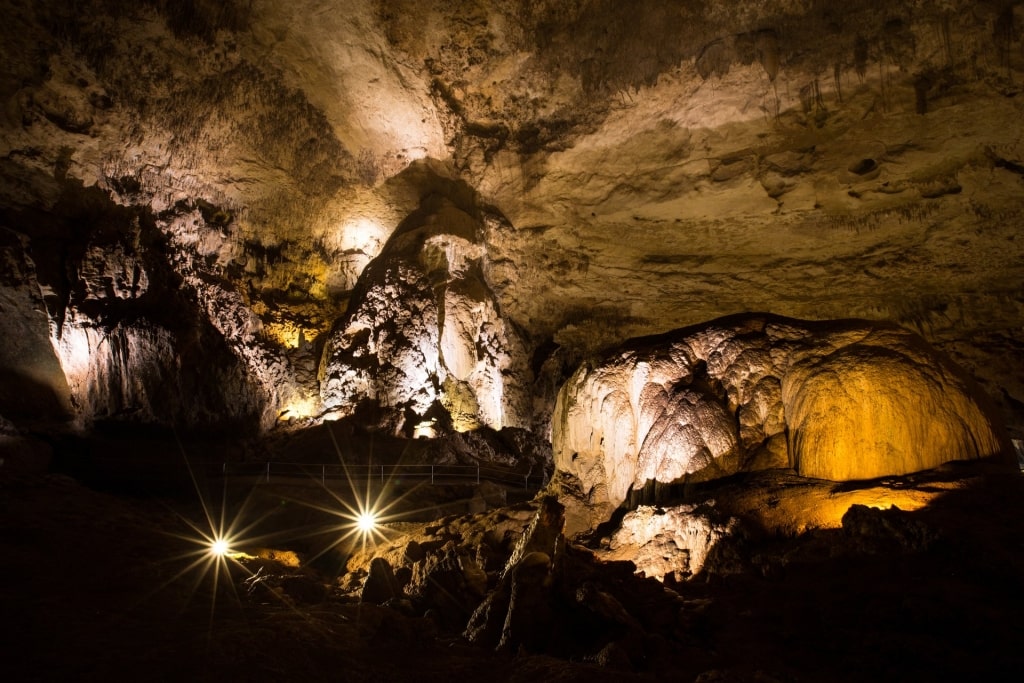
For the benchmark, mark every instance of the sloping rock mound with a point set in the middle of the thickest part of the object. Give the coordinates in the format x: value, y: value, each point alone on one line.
x: 869, y: 410
x: 834, y: 400
x: 423, y: 344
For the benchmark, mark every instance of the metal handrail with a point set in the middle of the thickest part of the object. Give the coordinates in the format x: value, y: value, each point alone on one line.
x: 434, y: 474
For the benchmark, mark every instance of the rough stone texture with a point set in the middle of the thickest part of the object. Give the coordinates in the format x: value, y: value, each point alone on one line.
x: 380, y: 585
x: 99, y: 322
x: 840, y: 401
x: 656, y: 164
x: 447, y: 568
x: 873, y: 408
x: 878, y: 599
x: 671, y: 542
x: 423, y: 345
x: 515, y: 612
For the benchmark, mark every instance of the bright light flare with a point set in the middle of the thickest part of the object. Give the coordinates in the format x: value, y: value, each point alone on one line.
x: 364, y: 513
x: 366, y: 521
x: 220, y: 547
x: 215, y: 544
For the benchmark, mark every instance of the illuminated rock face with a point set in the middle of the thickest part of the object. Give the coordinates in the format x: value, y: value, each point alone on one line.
x: 32, y: 383
x: 656, y: 164
x: 840, y: 401
x: 99, y: 327
x: 879, y: 407
x: 145, y: 373
x: 424, y: 345
x: 667, y: 542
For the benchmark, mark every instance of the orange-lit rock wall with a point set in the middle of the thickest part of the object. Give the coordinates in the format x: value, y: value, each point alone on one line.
x: 842, y: 401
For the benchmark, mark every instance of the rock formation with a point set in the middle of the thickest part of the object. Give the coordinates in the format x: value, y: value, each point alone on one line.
x: 32, y: 383
x: 668, y: 543
x: 424, y: 342
x: 102, y: 326
x: 839, y: 401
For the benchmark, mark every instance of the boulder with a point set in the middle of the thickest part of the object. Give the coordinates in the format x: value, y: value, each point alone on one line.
x: 380, y: 585
x: 449, y: 583
x: 840, y: 400
x: 887, y: 531
x: 515, y: 612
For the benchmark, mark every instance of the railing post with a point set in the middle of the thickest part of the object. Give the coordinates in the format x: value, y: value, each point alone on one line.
x: 268, y: 471
x: 382, y: 474
x: 323, y: 475
x: 478, y: 474
x: 431, y: 475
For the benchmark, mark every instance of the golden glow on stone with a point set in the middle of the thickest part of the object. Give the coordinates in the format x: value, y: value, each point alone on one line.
x: 425, y: 430
x: 880, y: 499
x: 861, y: 413
x: 678, y: 539
x: 300, y: 407
x: 285, y: 333
x: 821, y: 506
x: 361, y: 235
x: 75, y: 354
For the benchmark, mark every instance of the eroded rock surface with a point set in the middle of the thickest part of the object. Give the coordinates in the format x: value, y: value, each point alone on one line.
x: 668, y: 543
x: 32, y: 383
x: 839, y: 401
x: 102, y: 327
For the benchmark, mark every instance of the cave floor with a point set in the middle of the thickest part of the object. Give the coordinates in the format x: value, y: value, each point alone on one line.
x: 95, y: 586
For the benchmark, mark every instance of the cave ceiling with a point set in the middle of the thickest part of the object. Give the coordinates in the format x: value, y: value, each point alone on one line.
x: 636, y: 167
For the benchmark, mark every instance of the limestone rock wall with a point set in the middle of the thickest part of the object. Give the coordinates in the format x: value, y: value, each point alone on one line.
x: 885, y: 405
x: 32, y: 383
x: 839, y: 401
x: 144, y: 373
x: 102, y: 325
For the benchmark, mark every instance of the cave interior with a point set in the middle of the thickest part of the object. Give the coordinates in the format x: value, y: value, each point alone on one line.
x: 531, y: 340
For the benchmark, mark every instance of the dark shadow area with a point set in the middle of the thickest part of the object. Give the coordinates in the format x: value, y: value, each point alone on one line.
x: 22, y: 396
x: 93, y: 581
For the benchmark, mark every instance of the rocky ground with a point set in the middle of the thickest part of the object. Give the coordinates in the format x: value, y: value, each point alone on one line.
x: 97, y: 586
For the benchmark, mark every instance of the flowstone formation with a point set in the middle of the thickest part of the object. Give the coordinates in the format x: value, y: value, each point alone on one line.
x: 424, y: 347
x: 839, y: 400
